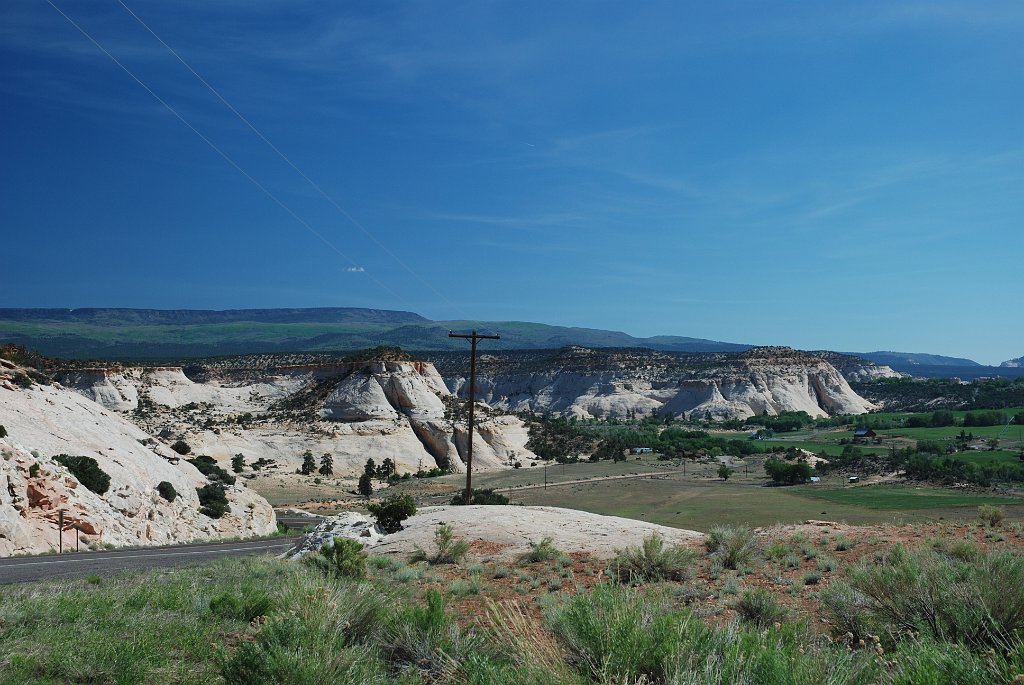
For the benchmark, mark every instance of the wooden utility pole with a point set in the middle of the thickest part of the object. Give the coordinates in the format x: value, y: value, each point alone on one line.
x: 473, y: 338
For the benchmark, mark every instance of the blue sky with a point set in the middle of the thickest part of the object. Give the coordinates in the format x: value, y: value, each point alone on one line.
x: 823, y: 175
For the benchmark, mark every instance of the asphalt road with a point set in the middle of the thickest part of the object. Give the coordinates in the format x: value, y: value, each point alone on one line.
x: 79, y: 564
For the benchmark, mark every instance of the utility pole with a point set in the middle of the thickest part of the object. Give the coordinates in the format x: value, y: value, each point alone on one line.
x: 60, y: 531
x: 473, y: 338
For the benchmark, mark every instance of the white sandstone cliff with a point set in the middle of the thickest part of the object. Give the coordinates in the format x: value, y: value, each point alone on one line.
x: 762, y: 380
x: 44, y: 421
x: 373, y: 409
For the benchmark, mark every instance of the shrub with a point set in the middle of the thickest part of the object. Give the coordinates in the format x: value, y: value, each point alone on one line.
x: 544, y: 550
x: 426, y: 639
x: 3, y: 432
x: 209, y: 468
x: 167, y: 491
x: 317, y: 641
x: 846, y: 610
x: 339, y: 558
x: 22, y: 379
x: 618, y: 633
x: 812, y: 578
x: 973, y: 601
x: 991, y: 515
x: 733, y: 545
x: 760, y: 607
x: 245, y: 608
x: 450, y: 550
x: 87, y: 471
x: 213, y: 501
x: 181, y: 447
x: 33, y: 470
x: 392, y: 511
x: 653, y: 561
x: 484, y: 496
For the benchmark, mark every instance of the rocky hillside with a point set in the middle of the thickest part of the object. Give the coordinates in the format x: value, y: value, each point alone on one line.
x: 42, y: 421
x: 381, y: 408
x: 582, y: 382
x: 857, y: 369
x: 1013, y: 363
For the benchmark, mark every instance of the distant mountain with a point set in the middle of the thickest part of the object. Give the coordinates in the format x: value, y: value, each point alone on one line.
x: 900, y: 360
x: 184, y: 317
x: 1013, y: 363
x: 184, y: 333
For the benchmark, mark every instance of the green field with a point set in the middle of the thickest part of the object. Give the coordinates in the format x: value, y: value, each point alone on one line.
x: 700, y: 503
x: 906, y: 497
x: 660, y: 493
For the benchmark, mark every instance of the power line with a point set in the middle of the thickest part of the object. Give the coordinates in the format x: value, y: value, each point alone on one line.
x: 224, y: 155
x: 341, y: 210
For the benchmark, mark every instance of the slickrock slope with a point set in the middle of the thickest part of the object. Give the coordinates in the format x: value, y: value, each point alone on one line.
x: 588, y: 383
x: 509, y: 531
x: 396, y: 409
x: 43, y: 421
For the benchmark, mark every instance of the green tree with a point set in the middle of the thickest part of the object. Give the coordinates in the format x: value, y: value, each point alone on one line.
x: 87, y: 470
x: 327, y: 464
x: 370, y: 468
x: 386, y: 469
x: 308, y: 463
x: 365, y: 485
x: 237, y: 463
x: 391, y: 512
x: 724, y: 472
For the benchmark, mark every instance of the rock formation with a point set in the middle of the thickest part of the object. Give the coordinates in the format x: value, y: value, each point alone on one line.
x: 43, y: 421
x: 381, y: 409
x: 589, y: 383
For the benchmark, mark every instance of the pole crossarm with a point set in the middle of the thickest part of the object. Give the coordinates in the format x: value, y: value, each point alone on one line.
x: 473, y: 337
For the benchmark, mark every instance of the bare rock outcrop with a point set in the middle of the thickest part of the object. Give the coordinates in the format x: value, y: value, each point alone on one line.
x: 380, y: 409
x: 623, y: 383
x: 45, y: 421
x: 509, y: 531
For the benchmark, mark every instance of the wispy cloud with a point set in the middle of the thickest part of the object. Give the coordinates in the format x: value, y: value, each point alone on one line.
x: 355, y: 269
x: 523, y: 222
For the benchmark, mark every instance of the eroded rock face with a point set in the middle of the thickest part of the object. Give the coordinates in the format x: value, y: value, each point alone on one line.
x: 372, y: 409
x: 599, y: 383
x: 50, y: 420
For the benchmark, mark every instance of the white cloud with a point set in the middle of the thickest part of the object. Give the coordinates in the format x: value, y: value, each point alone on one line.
x: 355, y: 269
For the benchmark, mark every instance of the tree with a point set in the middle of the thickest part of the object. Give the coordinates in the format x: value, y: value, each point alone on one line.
x: 166, y: 490
x: 181, y: 447
x: 391, y: 512
x: 213, y: 501
x: 370, y: 469
x: 237, y: 463
x: 788, y: 474
x: 87, y: 470
x: 308, y: 463
x: 327, y: 464
x: 365, y: 485
x: 3, y: 432
x: 724, y: 472
x: 386, y: 469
